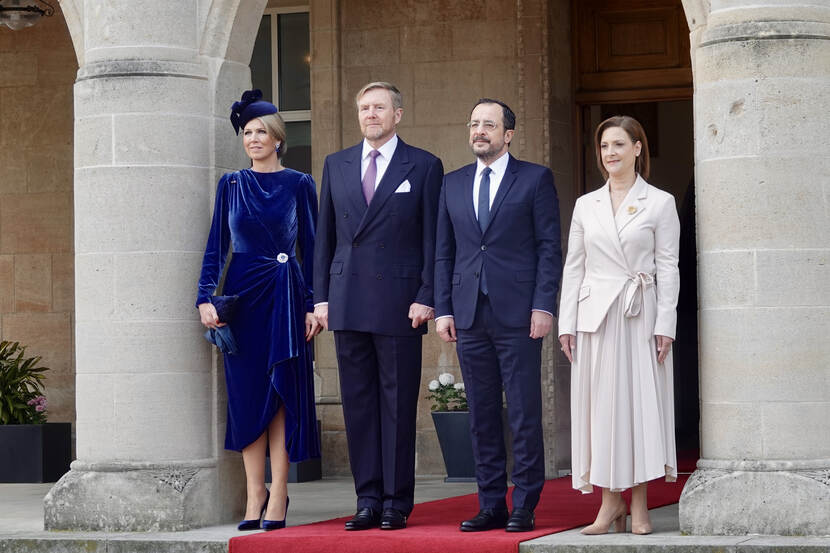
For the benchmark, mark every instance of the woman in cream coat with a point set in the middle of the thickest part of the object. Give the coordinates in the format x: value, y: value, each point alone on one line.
x: 616, y: 324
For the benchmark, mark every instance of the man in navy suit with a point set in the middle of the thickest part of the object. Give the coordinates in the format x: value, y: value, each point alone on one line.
x: 498, y: 265
x: 373, y: 286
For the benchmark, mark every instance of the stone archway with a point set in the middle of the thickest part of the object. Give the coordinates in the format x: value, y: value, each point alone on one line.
x: 150, y: 117
x: 150, y: 103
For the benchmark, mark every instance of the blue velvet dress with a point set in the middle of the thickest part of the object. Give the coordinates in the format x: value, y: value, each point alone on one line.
x: 263, y: 216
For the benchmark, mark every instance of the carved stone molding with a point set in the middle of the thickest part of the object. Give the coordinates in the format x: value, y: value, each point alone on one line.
x: 822, y: 476
x: 176, y: 478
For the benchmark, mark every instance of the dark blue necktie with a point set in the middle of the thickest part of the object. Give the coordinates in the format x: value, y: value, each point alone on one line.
x: 484, y: 217
x: 484, y: 199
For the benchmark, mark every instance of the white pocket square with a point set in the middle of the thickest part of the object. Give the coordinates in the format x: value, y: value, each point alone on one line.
x: 404, y: 187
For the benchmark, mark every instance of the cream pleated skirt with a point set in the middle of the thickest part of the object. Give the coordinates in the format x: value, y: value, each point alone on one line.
x: 622, y: 405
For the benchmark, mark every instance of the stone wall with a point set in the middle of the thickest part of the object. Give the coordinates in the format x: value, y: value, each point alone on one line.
x: 443, y: 56
x: 37, y: 69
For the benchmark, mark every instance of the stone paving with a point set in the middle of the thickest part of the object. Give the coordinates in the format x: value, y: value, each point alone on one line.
x: 21, y: 528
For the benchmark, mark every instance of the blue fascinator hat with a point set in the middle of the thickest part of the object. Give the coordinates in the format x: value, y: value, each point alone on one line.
x: 249, y: 107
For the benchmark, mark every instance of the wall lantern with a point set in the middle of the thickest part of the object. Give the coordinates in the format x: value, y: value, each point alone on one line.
x: 17, y: 14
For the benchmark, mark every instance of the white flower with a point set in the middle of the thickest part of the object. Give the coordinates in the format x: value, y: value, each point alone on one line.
x: 446, y: 379
x: 459, y: 386
x: 433, y: 385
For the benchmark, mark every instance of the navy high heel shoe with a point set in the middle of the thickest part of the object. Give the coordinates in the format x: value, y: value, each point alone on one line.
x: 276, y: 524
x: 253, y: 524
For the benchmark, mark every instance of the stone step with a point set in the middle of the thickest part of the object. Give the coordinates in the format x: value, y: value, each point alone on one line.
x: 661, y: 543
x: 110, y: 543
x: 559, y: 543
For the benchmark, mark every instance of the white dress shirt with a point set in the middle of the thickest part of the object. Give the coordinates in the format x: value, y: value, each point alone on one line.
x: 382, y: 161
x: 498, y: 169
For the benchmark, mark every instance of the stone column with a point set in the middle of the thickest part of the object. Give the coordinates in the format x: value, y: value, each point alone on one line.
x: 150, y: 401
x: 762, y: 114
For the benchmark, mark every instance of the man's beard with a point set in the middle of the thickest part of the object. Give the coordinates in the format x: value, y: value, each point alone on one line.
x: 484, y: 155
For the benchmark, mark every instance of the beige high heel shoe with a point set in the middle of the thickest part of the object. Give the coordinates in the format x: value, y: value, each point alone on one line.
x: 618, y: 520
x: 641, y: 529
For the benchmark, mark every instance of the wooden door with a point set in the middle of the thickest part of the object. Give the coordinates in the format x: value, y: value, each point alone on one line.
x: 631, y: 51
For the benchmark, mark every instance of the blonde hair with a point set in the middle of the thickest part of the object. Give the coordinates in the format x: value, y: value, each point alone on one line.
x: 276, y: 128
x: 397, y: 99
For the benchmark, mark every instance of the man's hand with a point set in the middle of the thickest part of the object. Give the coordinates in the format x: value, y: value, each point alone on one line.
x: 321, y: 313
x: 540, y: 324
x: 420, y: 314
x: 445, y: 326
x: 312, y: 327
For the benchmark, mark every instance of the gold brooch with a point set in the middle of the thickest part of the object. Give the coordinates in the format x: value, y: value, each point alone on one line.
x: 632, y: 210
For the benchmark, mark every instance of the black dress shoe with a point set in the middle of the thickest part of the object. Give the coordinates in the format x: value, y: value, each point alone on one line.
x: 486, y: 519
x: 521, y: 520
x: 392, y: 519
x: 364, y: 519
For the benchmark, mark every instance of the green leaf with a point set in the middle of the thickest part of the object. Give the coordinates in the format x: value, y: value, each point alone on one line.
x: 21, y: 380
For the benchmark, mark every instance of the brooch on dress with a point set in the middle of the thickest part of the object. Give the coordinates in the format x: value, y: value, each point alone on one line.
x: 632, y: 210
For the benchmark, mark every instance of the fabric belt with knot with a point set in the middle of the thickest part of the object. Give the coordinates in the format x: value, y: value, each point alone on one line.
x: 634, y: 292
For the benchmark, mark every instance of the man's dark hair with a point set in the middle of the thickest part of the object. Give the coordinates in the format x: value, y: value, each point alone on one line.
x: 509, y: 118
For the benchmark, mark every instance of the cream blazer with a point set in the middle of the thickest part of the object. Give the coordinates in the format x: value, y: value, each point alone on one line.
x: 634, y: 253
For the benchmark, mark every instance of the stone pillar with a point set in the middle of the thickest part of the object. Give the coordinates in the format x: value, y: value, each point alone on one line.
x: 762, y: 71
x: 150, y: 401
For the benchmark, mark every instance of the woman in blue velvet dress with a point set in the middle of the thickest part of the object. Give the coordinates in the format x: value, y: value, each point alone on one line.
x: 263, y: 213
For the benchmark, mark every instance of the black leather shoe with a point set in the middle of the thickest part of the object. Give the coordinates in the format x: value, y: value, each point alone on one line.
x: 364, y: 519
x: 392, y: 519
x: 521, y: 520
x: 486, y: 519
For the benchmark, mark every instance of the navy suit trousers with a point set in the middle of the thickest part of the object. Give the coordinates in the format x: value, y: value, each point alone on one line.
x: 493, y: 357
x: 380, y: 379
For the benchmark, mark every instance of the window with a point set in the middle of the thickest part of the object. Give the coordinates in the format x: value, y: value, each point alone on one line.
x: 284, y: 36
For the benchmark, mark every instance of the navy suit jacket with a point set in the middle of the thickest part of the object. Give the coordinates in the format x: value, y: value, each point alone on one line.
x: 520, y: 250
x: 371, y: 263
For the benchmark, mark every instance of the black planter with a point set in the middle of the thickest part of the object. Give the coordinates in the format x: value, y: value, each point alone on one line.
x: 453, y: 429
x: 35, y: 452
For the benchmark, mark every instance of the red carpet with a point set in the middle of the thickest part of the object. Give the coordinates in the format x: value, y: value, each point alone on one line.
x: 433, y: 526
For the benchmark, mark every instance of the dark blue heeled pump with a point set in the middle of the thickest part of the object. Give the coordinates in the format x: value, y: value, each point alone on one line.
x: 253, y: 524
x: 276, y: 524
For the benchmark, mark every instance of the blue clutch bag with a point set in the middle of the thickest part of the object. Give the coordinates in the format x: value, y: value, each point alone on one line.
x: 222, y: 338
x: 225, y: 307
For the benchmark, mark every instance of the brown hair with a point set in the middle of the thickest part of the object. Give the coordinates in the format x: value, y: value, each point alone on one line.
x: 276, y: 128
x: 397, y: 99
x: 635, y: 131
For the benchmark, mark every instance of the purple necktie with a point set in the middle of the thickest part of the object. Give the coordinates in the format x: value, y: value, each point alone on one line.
x: 370, y: 177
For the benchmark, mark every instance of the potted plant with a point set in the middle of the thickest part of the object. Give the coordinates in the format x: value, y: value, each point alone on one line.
x: 31, y: 450
x: 452, y: 424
